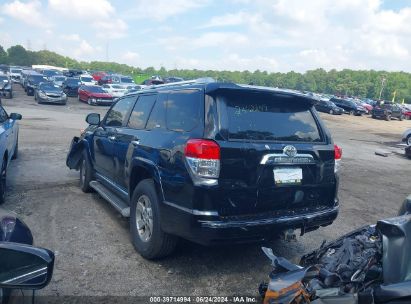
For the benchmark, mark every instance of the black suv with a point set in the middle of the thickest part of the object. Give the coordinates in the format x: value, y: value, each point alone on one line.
x: 387, y: 111
x: 348, y: 106
x: 210, y: 162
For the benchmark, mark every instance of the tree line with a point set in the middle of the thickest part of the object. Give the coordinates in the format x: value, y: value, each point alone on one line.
x: 361, y: 83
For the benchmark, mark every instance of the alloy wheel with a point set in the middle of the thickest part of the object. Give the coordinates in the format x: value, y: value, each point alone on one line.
x: 144, y: 218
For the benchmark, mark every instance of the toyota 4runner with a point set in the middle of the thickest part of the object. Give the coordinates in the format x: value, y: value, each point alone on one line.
x: 210, y: 162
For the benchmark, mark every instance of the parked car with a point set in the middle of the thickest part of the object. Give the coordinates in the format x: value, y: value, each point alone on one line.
x: 187, y: 160
x: 327, y: 106
x: 9, y: 145
x: 116, y: 79
x: 151, y: 82
x: 22, y: 266
x: 87, y: 80
x: 33, y: 81
x: 114, y: 90
x: 73, y: 73
x: 70, y: 86
x: 172, y: 79
x: 387, y: 111
x: 15, y: 74
x: 406, y: 137
x: 349, y: 106
x: 407, y: 114
x: 6, y: 88
x: 50, y: 73
x: 48, y: 92
x: 98, y: 75
x: 367, y: 107
x: 94, y: 95
x: 58, y: 80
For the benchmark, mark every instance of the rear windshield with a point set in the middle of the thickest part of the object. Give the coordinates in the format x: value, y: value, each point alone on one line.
x: 261, y: 117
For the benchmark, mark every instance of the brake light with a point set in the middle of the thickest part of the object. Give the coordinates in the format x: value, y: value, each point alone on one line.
x: 203, y: 157
x: 337, y: 158
x: 337, y: 152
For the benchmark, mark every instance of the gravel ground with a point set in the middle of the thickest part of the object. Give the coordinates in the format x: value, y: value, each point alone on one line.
x: 94, y: 255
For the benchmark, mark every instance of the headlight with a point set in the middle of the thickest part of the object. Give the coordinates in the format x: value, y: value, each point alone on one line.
x: 63, y: 95
x: 93, y: 100
x: 42, y: 95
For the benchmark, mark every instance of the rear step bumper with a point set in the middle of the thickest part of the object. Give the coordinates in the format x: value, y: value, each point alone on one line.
x: 209, y: 231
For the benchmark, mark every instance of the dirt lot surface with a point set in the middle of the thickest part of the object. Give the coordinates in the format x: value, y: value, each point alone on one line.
x: 94, y: 255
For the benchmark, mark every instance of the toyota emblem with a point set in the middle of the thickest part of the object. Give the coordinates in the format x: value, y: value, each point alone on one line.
x: 290, y: 151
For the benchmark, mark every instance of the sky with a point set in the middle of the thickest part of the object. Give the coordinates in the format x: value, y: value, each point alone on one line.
x: 235, y: 35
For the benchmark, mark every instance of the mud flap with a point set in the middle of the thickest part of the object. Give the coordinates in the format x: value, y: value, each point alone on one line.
x: 75, y: 153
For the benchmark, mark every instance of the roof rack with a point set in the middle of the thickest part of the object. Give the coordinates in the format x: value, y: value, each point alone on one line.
x: 203, y: 80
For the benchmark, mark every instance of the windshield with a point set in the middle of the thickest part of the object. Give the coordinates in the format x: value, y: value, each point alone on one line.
x: 37, y: 78
x: 49, y: 73
x: 126, y: 79
x: 261, y: 117
x: 73, y: 81
x: 49, y: 87
x: 60, y: 78
x: 95, y: 89
x: 15, y: 71
x: 86, y: 79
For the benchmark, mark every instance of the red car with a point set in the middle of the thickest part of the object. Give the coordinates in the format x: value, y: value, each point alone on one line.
x: 98, y: 75
x: 94, y: 95
x: 407, y: 114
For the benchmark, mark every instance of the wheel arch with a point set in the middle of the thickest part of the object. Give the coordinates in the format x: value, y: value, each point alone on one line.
x: 141, y: 169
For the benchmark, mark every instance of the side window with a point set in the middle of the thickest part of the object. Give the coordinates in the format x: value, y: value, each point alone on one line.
x: 141, y: 111
x: 106, y: 86
x: 183, y: 110
x: 3, y: 115
x: 158, y: 114
x: 118, y: 112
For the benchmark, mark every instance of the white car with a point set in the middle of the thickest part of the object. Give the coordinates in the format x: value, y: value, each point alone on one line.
x: 15, y: 74
x: 406, y: 137
x: 115, y: 90
x: 87, y: 80
x: 58, y: 80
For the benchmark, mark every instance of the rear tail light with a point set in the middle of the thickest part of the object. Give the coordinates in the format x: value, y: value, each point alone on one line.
x: 337, y: 157
x: 203, y: 157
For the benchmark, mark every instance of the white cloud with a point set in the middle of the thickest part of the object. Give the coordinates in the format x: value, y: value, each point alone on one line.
x: 71, y: 37
x: 113, y: 29
x: 130, y: 57
x: 163, y: 9
x: 83, y: 9
x: 27, y: 12
x: 83, y: 49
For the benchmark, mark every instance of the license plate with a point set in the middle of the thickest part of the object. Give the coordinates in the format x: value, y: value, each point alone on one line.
x: 286, y: 176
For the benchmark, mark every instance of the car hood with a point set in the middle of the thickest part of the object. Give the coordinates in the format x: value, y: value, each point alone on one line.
x: 53, y: 91
x: 13, y: 229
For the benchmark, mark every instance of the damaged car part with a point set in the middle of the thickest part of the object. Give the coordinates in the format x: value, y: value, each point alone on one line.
x: 369, y: 265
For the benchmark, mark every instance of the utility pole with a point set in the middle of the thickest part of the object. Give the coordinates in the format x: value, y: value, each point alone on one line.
x: 383, y: 80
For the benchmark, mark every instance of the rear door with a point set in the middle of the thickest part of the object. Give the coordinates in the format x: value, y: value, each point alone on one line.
x: 105, y: 137
x: 133, y: 136
x: 275, y: 156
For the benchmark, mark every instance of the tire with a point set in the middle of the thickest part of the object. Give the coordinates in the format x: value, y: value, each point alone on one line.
x: 352, y: 112
x: 408, y: 140
x: 16, y: 149
x: 331, y: 112
x: 150, y: 241
x: 10, y: 95
x: 86, y: 174
x: 88, y: 101
x: 373, y: 116
x: 388, y: 117
x: 3, y: 175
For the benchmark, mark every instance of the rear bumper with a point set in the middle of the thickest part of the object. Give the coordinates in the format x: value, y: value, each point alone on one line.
x: 210, y: 229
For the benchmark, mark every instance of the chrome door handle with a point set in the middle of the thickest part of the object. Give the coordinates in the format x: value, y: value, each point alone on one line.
x: 112, y: 138
x: 135, y: 142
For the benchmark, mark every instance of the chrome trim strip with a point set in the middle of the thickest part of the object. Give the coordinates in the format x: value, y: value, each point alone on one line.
x: 192, y: 211
x: 112, y: 183
x: 26, y: 276
x: 266, y: 158
x: 285, y: 219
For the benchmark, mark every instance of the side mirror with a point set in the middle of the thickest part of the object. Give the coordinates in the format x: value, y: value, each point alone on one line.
x: 24, y: 266
x: 93, y: 119
x: 15, y: 116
